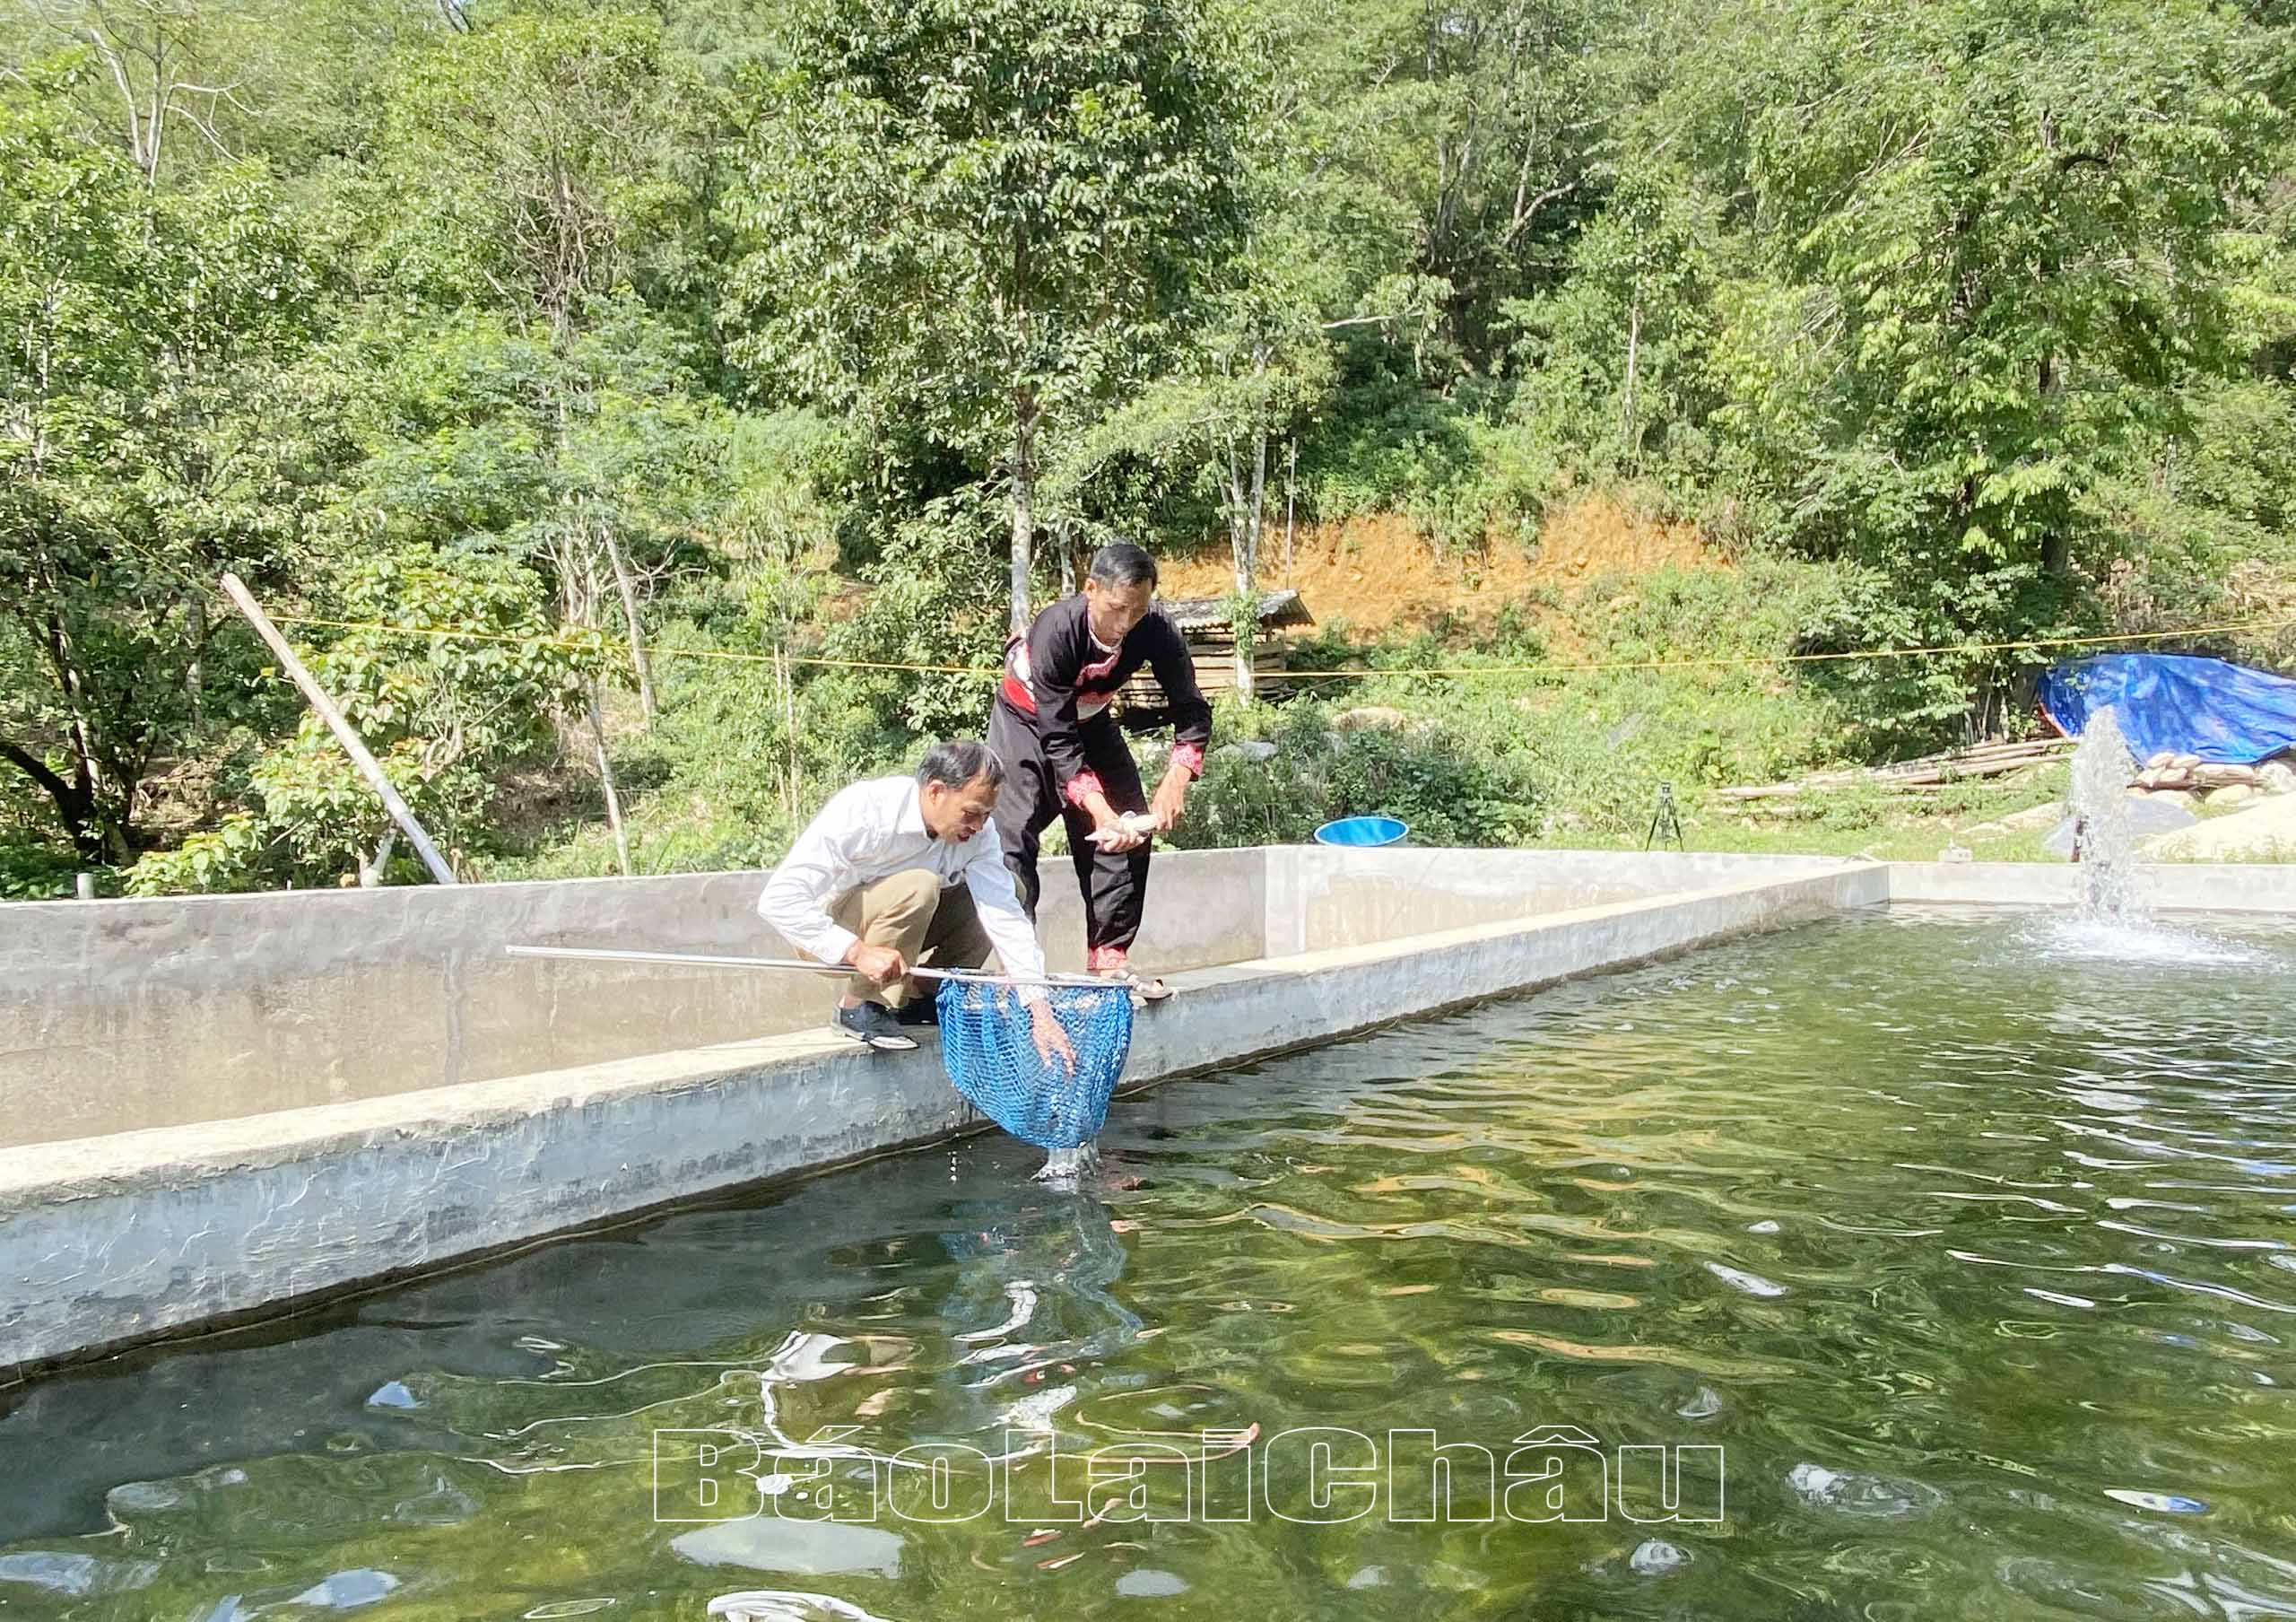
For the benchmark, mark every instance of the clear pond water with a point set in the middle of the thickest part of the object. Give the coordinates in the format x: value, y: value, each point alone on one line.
x: 1970, y: 1243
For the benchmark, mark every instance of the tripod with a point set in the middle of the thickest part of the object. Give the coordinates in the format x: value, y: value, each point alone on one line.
x: 1664, y: 823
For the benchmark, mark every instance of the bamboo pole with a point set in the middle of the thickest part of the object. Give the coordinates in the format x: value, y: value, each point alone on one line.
x: 369, y: 768
x: 712, y: 960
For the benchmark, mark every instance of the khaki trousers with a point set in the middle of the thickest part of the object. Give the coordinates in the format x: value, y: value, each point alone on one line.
x: 915, y: 915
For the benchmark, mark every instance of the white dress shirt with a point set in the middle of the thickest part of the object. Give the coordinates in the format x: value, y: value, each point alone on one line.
x: 871, y: 830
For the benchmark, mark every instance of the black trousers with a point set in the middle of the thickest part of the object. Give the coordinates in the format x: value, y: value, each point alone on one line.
x: 1115, y: 886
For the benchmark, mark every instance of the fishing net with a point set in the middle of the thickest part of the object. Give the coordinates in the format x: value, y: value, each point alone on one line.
x: 988, y: 1045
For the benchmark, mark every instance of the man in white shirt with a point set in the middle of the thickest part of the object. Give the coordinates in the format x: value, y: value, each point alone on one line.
x: 894, y: 870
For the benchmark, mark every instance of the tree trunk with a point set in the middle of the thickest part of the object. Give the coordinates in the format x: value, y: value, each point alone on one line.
x: 87, y: 770
x: 1064, y: 551
x: 370, y: 871
x: 1290, y: 493
x: 1024, y: 433
x: 1245, y: 533
x: 791, y: 771
x: 639, y: 661
x: 194, y: 678
x: 1239, y: 555
x: 1633, y: 357
x: 74, y: 802
x: 2057, y: 550
x: 605, y: 781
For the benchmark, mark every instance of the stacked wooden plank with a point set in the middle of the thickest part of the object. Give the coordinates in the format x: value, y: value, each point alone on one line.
x: 1930, y: 771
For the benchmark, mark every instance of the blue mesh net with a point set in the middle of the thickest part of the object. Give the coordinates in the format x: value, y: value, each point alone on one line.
x: 989, y: 1046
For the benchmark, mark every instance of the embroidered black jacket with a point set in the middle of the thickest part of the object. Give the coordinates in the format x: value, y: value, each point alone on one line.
x: 1060, y: 674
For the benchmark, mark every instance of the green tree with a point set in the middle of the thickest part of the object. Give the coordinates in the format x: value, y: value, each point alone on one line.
x: 1614, y: 359
x: 1259, y: 356
x: 152, y: 439
x: 592, y: 462
x: 551, y: 166
x: 1990, y: 244
x: 442, y: 715
x: 541, y: 162
x: 1468, y: 133
x: 980, y: 215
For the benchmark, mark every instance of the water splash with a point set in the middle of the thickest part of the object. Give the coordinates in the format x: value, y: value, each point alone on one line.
x: 2114, y: 922
x: 2102, y: 844
x: 2085, y: 937
x: 1063, y: 1168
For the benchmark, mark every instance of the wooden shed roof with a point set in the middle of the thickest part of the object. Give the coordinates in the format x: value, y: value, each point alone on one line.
x: 1278, y: 611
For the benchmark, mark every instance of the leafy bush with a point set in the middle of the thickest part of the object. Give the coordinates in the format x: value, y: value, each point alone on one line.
x: 937, y: 598
x: 441, y: 714
x: 1453, y: 469
x: 222, y: 858
x: 1445, y: 785
x: 36, y: 871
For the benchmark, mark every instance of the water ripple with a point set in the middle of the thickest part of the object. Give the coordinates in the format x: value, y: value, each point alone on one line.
x: 1967, y: 1245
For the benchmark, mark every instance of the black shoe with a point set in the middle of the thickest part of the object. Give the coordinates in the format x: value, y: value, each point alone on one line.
x: 919, y: 1010
x: 873, y: 1022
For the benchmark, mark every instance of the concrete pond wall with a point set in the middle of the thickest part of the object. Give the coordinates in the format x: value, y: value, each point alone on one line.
x: 211, y: 1108
x: 121, y: 1015
x: 115, y: 1015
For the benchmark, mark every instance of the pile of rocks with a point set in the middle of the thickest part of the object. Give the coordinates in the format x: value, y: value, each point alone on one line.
x: 2187, y: 780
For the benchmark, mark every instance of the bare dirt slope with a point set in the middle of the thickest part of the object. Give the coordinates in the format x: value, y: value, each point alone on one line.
x: 1380, y: 575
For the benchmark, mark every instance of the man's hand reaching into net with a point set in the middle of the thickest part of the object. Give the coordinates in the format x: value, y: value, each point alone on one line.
x: 1051, y: 1039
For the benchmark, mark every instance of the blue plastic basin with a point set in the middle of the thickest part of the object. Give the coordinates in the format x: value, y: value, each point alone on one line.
x: 1363, y: 831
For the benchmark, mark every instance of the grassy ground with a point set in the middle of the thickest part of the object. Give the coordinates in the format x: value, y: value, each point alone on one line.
x: 1853, y: 824
x: 1899, y: 827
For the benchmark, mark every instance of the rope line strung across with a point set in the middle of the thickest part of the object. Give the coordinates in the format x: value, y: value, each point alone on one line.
x: 988, y: 673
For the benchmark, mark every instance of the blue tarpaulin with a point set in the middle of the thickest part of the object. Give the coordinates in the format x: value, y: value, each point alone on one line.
x: 2221, y: 712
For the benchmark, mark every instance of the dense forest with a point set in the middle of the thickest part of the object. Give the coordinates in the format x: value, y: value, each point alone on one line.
x: 605, y: 396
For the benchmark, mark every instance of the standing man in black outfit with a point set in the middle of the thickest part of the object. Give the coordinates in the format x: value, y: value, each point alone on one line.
x: 1064, y: 756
